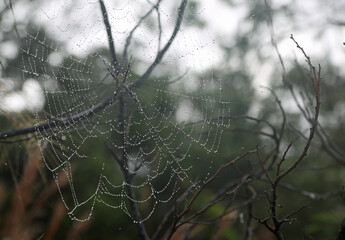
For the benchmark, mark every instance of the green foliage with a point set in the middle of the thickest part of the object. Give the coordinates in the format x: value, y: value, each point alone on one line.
x: 320, y: 219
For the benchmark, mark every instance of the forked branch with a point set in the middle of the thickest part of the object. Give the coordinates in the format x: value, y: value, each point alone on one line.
x: 162, y: 52
x: 277, y: 222
x: 181, y: 218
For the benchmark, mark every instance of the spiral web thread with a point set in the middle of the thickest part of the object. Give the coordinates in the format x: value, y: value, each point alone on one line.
x: 166, y: 120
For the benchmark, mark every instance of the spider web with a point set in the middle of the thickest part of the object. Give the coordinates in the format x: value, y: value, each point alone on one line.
x: 170, y: 115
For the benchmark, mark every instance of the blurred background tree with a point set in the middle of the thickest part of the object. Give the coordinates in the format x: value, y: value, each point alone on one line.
x: 247, y: 60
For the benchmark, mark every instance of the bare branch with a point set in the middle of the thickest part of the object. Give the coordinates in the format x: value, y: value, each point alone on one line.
x: 341, y: 233
x: 176, y: 79
x: 162, y: 52
x: 129, y: 38
x: 244, y: 180
x: 110, y: 35
x: 315, y: 79
x: 212, y: 178
x: 10, y: 6
x: 178, y: 216
x: 311, y: 195
x: 55, y: 122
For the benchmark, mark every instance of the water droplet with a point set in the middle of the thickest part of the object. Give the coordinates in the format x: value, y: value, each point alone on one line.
x: 241, y: 217
x: 312, y: 196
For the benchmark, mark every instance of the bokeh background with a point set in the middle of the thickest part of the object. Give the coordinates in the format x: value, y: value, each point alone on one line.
x: 222, y: 59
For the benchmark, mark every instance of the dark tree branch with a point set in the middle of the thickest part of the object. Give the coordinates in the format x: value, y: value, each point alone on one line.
x: 53, y: 123
x: 168, y: 215
x: 159, y: 28
x: 176, y: 79
x: 181, y: 216
x: 18, y: 140
x: 244, y: 180
x: 110, y: 36
x: 162, y: 52
x: 341, y: 233
x: 129, y: 38
x: 10, y: 6
x: 279, y: 175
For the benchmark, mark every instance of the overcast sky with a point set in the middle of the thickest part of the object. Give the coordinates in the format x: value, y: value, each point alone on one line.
x: 80, y: 25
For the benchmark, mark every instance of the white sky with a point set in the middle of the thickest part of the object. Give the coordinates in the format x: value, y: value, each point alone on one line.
x: 193, y: 48
x: 83, y: 29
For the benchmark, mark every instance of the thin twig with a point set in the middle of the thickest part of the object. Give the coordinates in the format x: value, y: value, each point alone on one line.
x: 10, y: 6
x: 176, y: 79
x: 130, y: 35
x: 178, y: 216
x: 162, y: 52
x: 110, y: 35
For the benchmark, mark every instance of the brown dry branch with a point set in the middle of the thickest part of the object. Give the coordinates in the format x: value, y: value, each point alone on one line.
x: 181, y: 218
x: 273, y: 222
x: 167, y: 217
